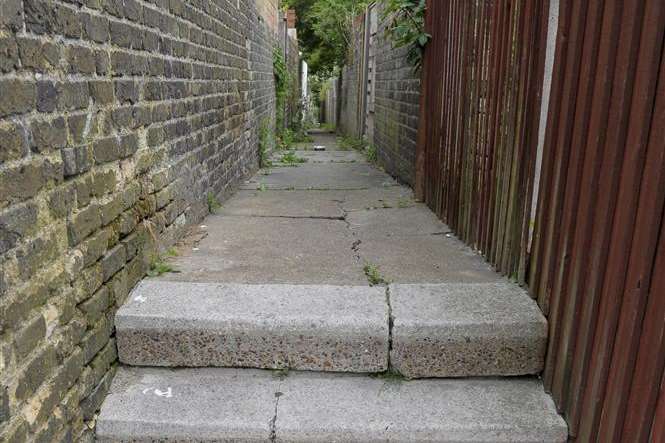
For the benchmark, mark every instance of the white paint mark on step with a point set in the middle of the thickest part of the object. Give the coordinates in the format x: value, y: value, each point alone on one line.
x: 158, y: 392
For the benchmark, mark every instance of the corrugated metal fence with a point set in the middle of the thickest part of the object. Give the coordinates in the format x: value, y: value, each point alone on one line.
x: 597, y: 262
x: 479, y: 118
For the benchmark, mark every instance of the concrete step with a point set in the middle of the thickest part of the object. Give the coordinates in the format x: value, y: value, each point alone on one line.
x: 438, y: 330
x: 469, y: 329
x: 214, y: 404
x: 324, y: 328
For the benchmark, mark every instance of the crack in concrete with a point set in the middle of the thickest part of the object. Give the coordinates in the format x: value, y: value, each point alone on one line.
x: 273, y: 421
x: 391, y: 322
x: 355, y: 246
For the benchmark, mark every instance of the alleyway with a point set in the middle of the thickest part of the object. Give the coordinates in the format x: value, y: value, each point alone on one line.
x: 322, y: 222
x: 304, y: 269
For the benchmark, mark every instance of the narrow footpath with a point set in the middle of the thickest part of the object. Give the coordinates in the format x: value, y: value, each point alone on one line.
x: 321, y: 303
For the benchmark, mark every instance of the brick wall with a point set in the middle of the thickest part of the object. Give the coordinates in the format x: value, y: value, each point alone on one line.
x: 117, y: 118
x: 396, y: 110
x: 351, y: 88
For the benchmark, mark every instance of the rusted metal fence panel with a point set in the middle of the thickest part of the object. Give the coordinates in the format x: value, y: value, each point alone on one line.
x: 597, y: 262
x: 481, y: 96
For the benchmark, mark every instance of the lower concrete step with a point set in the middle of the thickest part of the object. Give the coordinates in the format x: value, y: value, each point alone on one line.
x: 215, y: 404
x: 459, y: 330
x: 324, y: 328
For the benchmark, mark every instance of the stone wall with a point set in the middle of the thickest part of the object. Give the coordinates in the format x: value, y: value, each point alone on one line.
x: 396, y: 109
x: 117, y: 119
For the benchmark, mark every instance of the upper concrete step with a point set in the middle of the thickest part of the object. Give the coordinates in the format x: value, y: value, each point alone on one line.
x: 193, y: 405
x: 325, y: 328
x: 471, y: 329
x: 439, y: 330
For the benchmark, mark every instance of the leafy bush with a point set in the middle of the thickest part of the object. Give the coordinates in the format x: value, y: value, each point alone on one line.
x: 407, y: 27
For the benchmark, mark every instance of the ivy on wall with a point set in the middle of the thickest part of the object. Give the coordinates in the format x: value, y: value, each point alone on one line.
x: 282, y: 84
x: 406, y: 27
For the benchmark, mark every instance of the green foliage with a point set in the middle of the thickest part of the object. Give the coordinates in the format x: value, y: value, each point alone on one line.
x: 346, y: 143
x: 324, y: 31
x: 159, y: 266
x: 370, y: 153
x: 213, y: 203
x: 407, y: 27
x: 282, y: 83
x: 265, y: 142
x: 373, y: 275
x: 389, y: 376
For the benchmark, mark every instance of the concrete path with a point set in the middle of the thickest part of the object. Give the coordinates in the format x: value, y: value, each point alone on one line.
x: 322, y: 222
x: 328, y: 265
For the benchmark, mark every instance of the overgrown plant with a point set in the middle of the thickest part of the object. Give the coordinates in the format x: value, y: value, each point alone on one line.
x: 213, y: 203
x: 159, y: 266
x: 407, y: 28
x: 265, y: 142
x: 282, y: 83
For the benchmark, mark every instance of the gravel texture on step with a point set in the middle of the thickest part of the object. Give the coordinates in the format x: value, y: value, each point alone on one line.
x: 188, y: 405
x: 324, y: 328
x: 459, y: 330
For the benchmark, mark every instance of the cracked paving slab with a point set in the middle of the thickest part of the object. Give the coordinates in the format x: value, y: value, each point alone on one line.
x: 320, y: 176
x: 243, y: 249
x: 222, y: 405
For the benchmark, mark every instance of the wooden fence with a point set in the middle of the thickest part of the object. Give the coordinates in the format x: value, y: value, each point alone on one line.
x: 597, y: 262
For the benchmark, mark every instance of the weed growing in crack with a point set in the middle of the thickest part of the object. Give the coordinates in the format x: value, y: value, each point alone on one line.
x: 213, y: 204
x: 159, y: 266
x: 262, y: 187
x: 404, y: 203
x: 172, y: 252
x: 290, y: 158
x: 374, y: 277
x: 390, y: 376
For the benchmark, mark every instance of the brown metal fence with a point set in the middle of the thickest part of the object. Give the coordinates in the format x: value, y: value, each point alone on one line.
x: 597, y: 262
x: 479, y: 117
x: 598, y: 257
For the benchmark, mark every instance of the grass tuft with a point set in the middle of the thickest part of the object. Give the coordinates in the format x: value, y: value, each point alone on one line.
x: 159, y: 266
x: 373, y: 275
x: 213, y: 204
x: 290, y: 158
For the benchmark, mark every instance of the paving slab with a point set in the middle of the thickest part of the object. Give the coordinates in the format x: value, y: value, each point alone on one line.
x: 321, y: 176
x: 327, y: 156
x: 425, y: 259
x: 224, y: 405
x: 334, y: 408
x: 242, y: 249
x: 320, y: 328
x: 390, y: 222
x: 463, y: 330
x: 377, y: 198
x: 193, y: 405
x: 316, y: 204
